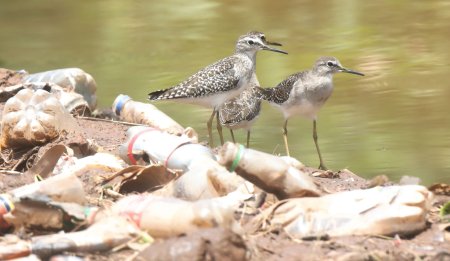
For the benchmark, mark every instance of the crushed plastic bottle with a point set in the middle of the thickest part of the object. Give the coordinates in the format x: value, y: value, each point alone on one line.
x: 205, y: 179
x: 26, y: 205
x: 71, y: 79
x: 377, y: 211
x: 33, y: 118
x: 165, y: 217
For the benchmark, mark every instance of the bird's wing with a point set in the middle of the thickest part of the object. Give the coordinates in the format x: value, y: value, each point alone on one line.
x: 215, y: 78
x: 280, y: 93
x: 244, y: 107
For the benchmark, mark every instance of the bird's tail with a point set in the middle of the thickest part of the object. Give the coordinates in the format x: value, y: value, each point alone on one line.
x: 265, y: 93
x: 156, y: 95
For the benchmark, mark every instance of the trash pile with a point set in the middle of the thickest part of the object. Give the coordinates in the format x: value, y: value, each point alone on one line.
x: 153, y: 192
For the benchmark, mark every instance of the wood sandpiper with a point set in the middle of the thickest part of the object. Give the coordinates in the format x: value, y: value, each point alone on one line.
x: 220, y: 81
x: 304, y: 93
x: 241, y: 112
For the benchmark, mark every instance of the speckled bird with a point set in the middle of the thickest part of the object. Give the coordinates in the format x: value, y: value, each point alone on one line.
x: 220, y: 81
x: 241, y: 112
x: 304, y: 93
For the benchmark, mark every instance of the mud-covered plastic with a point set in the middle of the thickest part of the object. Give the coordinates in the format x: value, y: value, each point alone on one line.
x: 102, y: 236
x: 22, y: 209
x: 33, y: 118
x: 271, y: 173
x: 71, y: 79
x: 144, y: 113
x: 146, y: 144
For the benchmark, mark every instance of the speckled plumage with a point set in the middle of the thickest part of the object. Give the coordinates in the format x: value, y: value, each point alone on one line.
x: 241, y: 111
x: 304, y: 93
x: 223, y: 76
x: 222, y: 80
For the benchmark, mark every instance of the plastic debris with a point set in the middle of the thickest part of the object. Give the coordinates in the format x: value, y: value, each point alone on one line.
x: 205, y: 179
x: 139, y: 179
x: 32, y: 118
x: 376, y: 211
x: 270, y: 173
x: 179, y: 216
x: 147, y: 144
x: 101, y: 236
x: 27, y: 204
x: 144, y: 113
x: 214, y: 243
x: 71, y: 79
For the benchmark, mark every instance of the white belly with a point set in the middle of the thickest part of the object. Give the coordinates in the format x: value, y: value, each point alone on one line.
x: 304, y: 109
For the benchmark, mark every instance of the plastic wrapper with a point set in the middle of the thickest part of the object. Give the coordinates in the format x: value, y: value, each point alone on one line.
x: 144, y: 113
x: 376, y: 211
x: 271, y: 173
x: 166, y: 217
x: 100, y: 161
x: 32, y: 118
x: 147, y: 144
x: 205, y: 179
x: 71, y: 79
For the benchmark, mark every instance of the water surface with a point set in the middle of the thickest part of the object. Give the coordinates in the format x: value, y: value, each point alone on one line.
x: 394, y: 121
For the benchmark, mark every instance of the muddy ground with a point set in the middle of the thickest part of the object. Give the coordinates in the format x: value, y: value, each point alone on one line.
x: 221, y: 244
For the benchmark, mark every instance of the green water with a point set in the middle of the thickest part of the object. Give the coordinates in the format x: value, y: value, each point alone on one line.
x: 394, y: 121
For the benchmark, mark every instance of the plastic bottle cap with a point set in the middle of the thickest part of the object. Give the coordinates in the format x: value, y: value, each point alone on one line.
x: 6, y: 205
x: 119, y: 102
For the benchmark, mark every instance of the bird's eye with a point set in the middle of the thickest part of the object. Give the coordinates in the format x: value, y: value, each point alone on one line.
x: 330, y: 64
x: 263, y: 37
x: 250, y: 42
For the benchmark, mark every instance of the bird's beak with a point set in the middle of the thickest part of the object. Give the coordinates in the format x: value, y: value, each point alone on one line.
x: 273, y: 43
x: 342, y: 69
x: 265, y: 47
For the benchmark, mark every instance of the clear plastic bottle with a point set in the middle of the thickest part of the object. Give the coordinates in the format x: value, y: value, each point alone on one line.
x: 71, y: 79
x: 144, y: 113
x: 175, y: 152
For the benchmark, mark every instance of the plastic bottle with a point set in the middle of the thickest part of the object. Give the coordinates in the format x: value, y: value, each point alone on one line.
x: 271, y: 173
x: 175, y: 152
x: 33, y: 117
x: 165, y: 217
x: 71, y: 79
x: 144, y: 113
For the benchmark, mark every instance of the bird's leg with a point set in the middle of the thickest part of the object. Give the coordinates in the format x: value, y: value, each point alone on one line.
x: 322, y: 165
x: 232, y: 135
x: 209, y: 125
x: 285, y: 137
x: 219, y: 128
x: 248, y: 139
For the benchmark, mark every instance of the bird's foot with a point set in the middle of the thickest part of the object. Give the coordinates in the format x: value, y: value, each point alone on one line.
x: 322, y: 167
